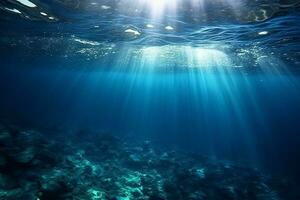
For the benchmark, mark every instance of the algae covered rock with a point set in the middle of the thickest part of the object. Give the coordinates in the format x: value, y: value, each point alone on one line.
x: 5, y: 137
x: 101, y: 167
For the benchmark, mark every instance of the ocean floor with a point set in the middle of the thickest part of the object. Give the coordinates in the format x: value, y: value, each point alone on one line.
x: 84, y: 166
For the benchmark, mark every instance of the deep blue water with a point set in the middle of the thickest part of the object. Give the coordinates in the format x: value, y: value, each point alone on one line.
x: 224, y: 84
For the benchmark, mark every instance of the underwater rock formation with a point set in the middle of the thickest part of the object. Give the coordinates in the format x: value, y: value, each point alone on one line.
x: 101, y: 167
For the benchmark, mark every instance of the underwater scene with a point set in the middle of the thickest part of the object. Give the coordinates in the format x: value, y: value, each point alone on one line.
x: 149, y: 100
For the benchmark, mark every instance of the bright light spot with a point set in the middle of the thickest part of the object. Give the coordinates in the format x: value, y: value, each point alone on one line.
x: 13, y: 10
x: 199, y: 10
x: 105, y: 7
x: 237, y: 66
x: 150, y: 26
x: 208, y: 57
x: 131, y: 31
x: 27, y: 3
x: 42, y: 13
x: 93, y: 43
x: 169, y: 28
x: 96, y: 26
x: 263, y: 33
x: 183, y: 56
x: 157, y: 8
x: 51, y: 18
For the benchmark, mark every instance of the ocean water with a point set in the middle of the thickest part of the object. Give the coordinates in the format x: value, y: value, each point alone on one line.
x: 218, y: 78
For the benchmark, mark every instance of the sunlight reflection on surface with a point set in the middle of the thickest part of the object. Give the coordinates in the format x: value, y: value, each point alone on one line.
x: 184, y: 56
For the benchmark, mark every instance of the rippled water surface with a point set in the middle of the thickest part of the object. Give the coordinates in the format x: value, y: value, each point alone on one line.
x: 247, y: 30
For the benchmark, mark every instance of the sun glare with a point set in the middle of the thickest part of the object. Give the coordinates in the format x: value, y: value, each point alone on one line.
x: 158, y: 8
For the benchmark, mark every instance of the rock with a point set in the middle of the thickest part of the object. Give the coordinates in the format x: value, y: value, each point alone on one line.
x: 95, y: 194
x: 199, y: 173
x: 197, y: 196
x: 135, y: 161
x: 146, y: 145
x: 123, y: 198
x: 12, y: 194
x: 5, y: 139
x: 2, y: 161
x: 7, y: 182
x: 24, y: 156
x: 55, y: 186
x: 164, y: 156
x: 135, y: 158
x: 18, y: 146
